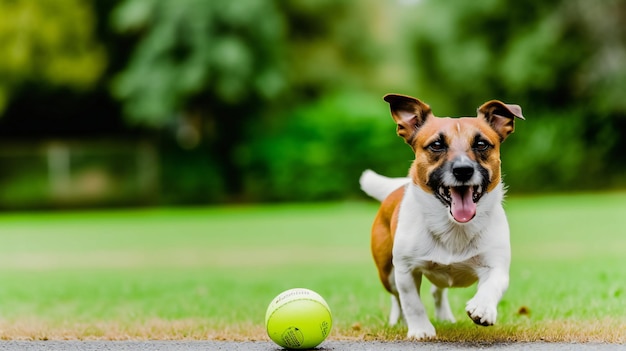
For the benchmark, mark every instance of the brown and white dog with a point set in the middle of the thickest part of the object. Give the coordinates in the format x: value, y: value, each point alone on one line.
x: 445, y: 220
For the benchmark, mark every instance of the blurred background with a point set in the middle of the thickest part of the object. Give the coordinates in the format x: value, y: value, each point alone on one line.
x: 162, y: 102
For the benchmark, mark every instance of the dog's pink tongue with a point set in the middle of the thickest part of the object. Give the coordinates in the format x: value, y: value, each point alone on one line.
x: 463, y: 208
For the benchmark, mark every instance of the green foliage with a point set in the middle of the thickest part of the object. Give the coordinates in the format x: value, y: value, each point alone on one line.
x: 237, y: 68
x: 227, y: 50
x: 280, y: 83
x: 556, y: 59
x: 322, y: 148
x: 342, y: 45
x: 49, y: 42
x: 282, y: 98
x: 191, y: 177
x: 222, y: 52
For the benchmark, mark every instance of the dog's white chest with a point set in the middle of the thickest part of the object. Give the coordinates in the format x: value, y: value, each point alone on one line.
x: 460, y: 274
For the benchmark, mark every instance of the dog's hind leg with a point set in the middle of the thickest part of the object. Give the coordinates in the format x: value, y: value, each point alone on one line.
x: 442, y: 307
x: 396, y: 310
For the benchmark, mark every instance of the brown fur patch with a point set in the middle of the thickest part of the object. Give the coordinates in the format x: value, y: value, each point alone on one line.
x: 383, y: 231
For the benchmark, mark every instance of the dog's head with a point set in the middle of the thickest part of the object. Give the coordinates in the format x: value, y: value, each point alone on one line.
x: 456, y: 159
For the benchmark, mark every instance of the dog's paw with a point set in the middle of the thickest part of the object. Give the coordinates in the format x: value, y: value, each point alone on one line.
x: 423, y: 333
x: 481, y: 313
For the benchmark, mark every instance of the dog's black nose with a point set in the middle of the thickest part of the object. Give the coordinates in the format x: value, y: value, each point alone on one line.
x: 463, y: 172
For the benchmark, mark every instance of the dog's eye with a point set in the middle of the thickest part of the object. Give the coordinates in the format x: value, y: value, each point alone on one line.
x: 481, y: 145
x: 437, y: 146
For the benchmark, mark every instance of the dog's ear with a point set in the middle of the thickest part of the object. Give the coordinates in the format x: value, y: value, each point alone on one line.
x: 500, y: 116
x: 409, y: 114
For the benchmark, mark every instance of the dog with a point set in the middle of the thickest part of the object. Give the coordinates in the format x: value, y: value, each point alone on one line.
x: 445, y: 220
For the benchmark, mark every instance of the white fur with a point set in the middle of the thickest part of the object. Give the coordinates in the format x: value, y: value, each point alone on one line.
x: 429, y: 242
x: 378, y: 186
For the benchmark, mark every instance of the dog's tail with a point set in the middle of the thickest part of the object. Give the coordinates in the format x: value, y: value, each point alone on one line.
x: 378, y: 186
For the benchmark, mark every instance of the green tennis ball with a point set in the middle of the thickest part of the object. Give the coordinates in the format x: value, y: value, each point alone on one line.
x: 298, y: 319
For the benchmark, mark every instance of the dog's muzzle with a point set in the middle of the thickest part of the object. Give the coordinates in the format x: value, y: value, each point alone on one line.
x: 461, y: 197
x: 461, y: 200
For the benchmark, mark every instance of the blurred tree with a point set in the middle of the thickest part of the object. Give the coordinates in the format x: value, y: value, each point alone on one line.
x: 322, y: 149
x: 561, y: 60
x: 48, y: 42
x: 204, y: 67
x: 221, y: 69
x: 225, y: 49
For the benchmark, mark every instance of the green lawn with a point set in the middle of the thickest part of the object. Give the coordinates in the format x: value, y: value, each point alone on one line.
x: 210, y: 272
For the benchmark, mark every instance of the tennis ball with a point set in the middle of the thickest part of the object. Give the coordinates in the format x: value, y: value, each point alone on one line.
x: 298, y: 319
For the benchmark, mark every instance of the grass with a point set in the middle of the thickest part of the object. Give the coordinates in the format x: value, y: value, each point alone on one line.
x: 209, y: 273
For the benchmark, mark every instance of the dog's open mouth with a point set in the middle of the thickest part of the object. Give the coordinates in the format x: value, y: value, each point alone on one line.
x: 461, y: 200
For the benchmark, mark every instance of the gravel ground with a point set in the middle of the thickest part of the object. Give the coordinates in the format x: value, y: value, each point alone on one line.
x: 268, y: 346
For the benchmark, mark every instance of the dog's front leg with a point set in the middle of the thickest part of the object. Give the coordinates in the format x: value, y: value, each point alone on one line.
x: 492, y: 283
x: 408, y: 284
